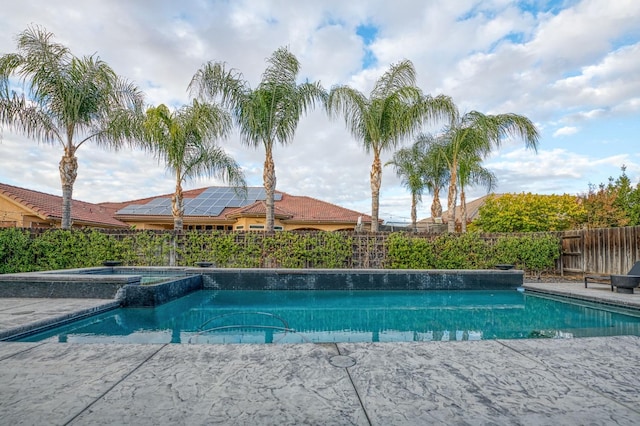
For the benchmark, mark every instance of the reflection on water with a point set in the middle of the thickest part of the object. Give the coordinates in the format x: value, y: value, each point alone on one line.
x: 211, y: 317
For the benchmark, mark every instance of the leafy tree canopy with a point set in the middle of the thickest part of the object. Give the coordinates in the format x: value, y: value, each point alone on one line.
x: 614, y: 204
x: 530, y: 213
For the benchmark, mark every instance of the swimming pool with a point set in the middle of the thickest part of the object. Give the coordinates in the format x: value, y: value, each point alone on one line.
x: 296, y: 316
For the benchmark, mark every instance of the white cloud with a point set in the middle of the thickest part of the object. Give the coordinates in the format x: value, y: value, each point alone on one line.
x: 555, y: 171
x: 564, y: 131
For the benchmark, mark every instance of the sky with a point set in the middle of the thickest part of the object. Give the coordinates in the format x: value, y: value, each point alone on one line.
x: 572, y: 67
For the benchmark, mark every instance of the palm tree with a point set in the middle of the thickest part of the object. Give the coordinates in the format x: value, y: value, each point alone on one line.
x: 435, y: 172
x: 265, y: 115
x: 408, y: 165
x: 66, y: 100
x: 472, y: 173
x: 394, y: 110
x: 477, y: 134
x: 184, y: 141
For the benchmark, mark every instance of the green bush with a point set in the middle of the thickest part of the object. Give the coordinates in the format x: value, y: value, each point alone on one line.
x: 405, y: 251
x: 16, y: 253
x: 533, y: 253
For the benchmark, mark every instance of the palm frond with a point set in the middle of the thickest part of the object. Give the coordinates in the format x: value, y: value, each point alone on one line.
x: 353, y: 106
x: 397, y: 77
x: 216, y: 83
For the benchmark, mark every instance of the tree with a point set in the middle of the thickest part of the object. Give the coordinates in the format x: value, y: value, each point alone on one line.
x: 627, y: 198
x: 185, y: 141
x: 615, y: 204
x: 66, y: 100
x: 476, y: 134
x: 435, y: 172
x: 529, y: 213
x: 394, y: 110
x: 408, y: 165
x: 265, y: 115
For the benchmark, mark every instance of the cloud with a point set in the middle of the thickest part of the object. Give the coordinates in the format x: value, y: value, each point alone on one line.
x: 564, y: 131
x: 555, y: 171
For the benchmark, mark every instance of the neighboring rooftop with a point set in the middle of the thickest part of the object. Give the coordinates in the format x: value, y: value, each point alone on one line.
x: 49, y: 207
x: 209, y: 202
x: 473, y: 207
x: 225, y: 203
x: 211, y: 206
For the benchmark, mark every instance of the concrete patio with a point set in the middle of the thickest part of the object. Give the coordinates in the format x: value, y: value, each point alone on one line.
x: 528, y: 382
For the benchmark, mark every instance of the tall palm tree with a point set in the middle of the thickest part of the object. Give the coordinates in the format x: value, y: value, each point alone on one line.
x: 185, y: 141
x: 265, y: 115
x: 408, y: 165
x: 477, y: 134
x: 472, y: 173
x: 394, y: 110
x: 65, y: 100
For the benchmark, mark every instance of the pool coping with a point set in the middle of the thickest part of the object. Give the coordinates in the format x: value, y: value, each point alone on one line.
x: 576, y: 290
x: 56, y: 320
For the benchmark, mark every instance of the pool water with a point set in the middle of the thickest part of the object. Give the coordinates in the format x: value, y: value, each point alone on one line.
x: 213, y: 316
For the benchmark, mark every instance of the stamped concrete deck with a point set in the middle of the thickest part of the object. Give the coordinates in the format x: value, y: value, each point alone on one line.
x: 503, y: 382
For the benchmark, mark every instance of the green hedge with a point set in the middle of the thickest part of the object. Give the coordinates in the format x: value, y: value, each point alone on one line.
x: 23, y: 250
x: 255, y: 250
x: 534, y: 253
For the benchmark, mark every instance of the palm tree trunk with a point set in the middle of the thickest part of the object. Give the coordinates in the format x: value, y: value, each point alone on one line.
x: 414, y: 213
x: 269, y: 178
x: 376, y: 181
x: 451, y: 200
x: 177, y: 205
x: 68, y: 172
x: 463, y: 211
x: 436, y: 206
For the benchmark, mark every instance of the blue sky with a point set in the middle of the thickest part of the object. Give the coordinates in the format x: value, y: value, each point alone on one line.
x: 572, y: 67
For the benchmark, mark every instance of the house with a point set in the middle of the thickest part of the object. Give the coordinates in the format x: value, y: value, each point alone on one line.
x: 222, y: 208
x: 209, y: 208
x: 24, y: 208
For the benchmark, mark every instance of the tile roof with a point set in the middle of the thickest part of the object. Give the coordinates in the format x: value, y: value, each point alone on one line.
x: 259, y: 208
x: 117, y: 205
x: 289, y: 208
x: 208, y: 203
x: 49, y: 207
x: 293, y: 208
x: 473, y: 208
x: 307, y: 209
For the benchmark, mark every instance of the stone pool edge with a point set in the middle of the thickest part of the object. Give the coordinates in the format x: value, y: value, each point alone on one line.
x: 22, y: 330
x: 576, y: 291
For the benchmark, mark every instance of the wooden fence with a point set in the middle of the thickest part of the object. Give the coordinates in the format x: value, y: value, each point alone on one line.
x: 600, y: 251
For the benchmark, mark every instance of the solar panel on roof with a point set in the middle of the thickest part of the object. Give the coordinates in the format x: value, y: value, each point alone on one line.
x: 209, y: 202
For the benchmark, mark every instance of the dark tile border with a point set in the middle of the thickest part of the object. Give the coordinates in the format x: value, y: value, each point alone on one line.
x: 361, y: 279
